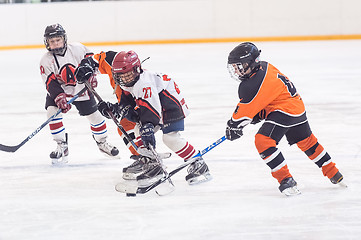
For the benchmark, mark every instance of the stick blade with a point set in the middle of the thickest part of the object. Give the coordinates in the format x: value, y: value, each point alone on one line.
x: 9, y: 148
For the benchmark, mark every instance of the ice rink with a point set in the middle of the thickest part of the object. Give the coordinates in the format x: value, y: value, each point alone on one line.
x: 42, y: 202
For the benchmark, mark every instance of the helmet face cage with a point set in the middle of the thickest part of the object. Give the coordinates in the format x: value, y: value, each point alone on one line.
x: 126, y: 68
x: 52, y: 31
x: 243, y: 60
x: 236, y: 71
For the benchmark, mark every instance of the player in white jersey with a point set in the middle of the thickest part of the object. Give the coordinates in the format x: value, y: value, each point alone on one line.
x: 57, y: 68
x: 154, y: 102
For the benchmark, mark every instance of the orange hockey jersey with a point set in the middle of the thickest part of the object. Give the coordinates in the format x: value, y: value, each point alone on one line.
x: 268, y: 89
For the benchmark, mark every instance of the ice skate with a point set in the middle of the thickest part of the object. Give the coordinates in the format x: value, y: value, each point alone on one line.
x: 136, y: 168
x: 152, y: 172
x: 107, y: 149
x: 288, y: 187
x: 337, y: 179
x: 198, y: 172
x: 60, y: 155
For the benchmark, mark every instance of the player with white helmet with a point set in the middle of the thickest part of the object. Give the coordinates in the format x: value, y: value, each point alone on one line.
x: 57, y: 68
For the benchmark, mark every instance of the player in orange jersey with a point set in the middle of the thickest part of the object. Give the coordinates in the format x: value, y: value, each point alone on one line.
x: 266, y: 93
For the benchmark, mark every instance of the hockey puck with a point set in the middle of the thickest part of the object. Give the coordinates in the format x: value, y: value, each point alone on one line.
x: 131, y: 194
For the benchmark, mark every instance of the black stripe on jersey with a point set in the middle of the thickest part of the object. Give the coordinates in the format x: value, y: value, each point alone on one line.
x: 249, y: 88
x: 171, y: 108
x: 56, y: 61
x: 88, y: 55
x: 110, y: 55
x: 282, y: 119
x: 147, y: 113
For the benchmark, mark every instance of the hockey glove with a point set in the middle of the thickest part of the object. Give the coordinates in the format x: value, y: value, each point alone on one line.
x: 105, y: 107
x: 129, y: 113
x: 62, y: 103
x: 259, y: 117
x: 85, y: 70
x: 233, y: 130
x: 147, y: 135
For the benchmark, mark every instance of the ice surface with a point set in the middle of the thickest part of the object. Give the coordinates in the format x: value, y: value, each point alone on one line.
x: 38, y: 201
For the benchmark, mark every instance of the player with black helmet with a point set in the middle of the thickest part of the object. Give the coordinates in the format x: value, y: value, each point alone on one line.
x: 266, y: 93
x: 57, y: 68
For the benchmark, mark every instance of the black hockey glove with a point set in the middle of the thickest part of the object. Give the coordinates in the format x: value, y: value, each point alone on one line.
x: 105, y: 107
x: 147, y: 135
x: 234, y: 130
x: 259, y: 117
x: 129, y: 113
x: 85, y: 70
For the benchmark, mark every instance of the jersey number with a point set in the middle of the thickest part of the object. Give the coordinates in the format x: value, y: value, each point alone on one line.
x: 291, y: 89
x: 166, y: 78
x: 147, y: 92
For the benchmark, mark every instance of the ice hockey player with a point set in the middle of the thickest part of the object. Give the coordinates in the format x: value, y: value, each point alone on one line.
x: 154, y: 101
x: 57, y: 68
x: 266, y: 93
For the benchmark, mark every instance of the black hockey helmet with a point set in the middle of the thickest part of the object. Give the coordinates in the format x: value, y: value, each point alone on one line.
x: 55, y: 30
x: 243, y: 61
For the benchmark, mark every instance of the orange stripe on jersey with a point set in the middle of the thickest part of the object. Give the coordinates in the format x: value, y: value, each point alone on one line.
x: 106, y: 68
x: 172, y: 98
x: 51, y: 78
x: 141, y: 102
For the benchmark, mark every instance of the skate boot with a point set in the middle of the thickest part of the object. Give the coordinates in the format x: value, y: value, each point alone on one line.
x: 108, y: 149
x: 60, y: 155
x: 288, y: 187
x: 152, y: 172
x: 133, y: 170
x: 198, y: 172
x: 337, y: 179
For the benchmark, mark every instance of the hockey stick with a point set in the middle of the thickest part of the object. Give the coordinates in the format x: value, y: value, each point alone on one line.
x: 139, y: 150
x: 132, y: 190
x: 87, y: 84
x: 16, y: 147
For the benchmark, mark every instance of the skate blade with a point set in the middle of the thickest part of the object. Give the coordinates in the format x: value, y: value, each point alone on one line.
x: 200, y: 179
x: 292, y: 191
x: 342, y: 184
x: 149, y: 181
x: 59, y: 162
x: 130, y: 176
x: 164, y: 188
x: 127, y: 187
x: 110, y: 156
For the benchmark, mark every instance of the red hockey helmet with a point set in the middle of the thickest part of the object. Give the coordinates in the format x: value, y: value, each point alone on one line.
x: 126, y: 68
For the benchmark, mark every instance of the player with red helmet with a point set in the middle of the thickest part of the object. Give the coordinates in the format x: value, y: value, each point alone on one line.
x: 153, y: 101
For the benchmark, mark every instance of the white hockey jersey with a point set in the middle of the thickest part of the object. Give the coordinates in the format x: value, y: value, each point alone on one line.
x: 158, y: 98
x: 57, y: 71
